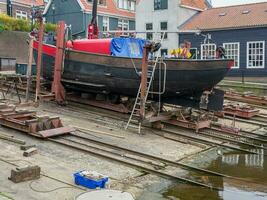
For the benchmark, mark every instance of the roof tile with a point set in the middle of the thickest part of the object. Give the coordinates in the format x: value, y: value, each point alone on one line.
x: 229, y: 17
x: 110, y: 8
x: 30, y: 2
x: 198, y: 4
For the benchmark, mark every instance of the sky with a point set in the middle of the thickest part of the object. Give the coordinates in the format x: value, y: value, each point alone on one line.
x: 218, y: 3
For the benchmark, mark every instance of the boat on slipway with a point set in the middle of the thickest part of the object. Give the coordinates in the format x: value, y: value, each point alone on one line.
x: 113, y: 66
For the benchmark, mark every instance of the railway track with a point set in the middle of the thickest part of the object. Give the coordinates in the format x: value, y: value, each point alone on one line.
x: 257, y: 120
x: 215, y: 141
x: 209, y: 139
x: 136, y: 163
x: 231, y: 139
x: 246, y: 135
x: 137, y: 160
x: 152, y: 157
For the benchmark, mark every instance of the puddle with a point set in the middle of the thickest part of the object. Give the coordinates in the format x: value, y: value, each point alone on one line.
x: 252, y: 169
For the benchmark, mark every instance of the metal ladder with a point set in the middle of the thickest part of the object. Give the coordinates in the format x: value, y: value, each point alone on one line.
x: 150, y: 75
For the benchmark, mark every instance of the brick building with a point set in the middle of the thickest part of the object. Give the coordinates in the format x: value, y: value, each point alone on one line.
x: 3, y: 6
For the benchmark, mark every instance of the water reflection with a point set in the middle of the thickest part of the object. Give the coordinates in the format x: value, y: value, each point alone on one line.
x: 251, y: 167
x: 255, y: 160
x: 230, y: 159
x: 250, y: 160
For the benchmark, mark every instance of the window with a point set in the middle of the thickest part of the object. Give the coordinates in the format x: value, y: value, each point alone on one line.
x: 123, y: 25
x: 149, y: 27
x: 193, y: 52
x: 208, y: 51
x: 132, y: 5
x: 105, y: 26
x: 21, y: 15
x: 100, y: 2
x: 160, y: 4
x: 164, y: 27
x: 164, y: 52
x: 126, y: 4
x: 105, y: 23
x: 255, y: 54
x: 232, y: 52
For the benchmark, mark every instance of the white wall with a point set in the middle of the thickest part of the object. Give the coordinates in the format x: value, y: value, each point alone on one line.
x: 174, y: 15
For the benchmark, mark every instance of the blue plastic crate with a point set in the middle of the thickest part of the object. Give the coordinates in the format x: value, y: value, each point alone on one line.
x: 89, y: 183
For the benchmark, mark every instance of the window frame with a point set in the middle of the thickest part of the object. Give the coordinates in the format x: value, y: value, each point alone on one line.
x: 100, y: 4
x: 21, y: 15
x: 238, y: 56
x: 158, y: 5
x: 209, y: 44
x: 263, y: 59
x: 107, y: 23
x: 195, y: 48
x: 149, y: 34
x: 164, y: 30
x: 123, y: 23
x: 164, y: 49
x: 130, y: 5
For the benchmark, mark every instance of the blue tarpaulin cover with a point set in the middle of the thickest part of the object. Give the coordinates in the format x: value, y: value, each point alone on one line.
x: 127, y: 47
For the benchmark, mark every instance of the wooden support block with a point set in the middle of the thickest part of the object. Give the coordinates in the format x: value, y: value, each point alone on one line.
x: 30, y: 152
x: 25, y: 174
x: 26, y: 147
x: 157, y: 125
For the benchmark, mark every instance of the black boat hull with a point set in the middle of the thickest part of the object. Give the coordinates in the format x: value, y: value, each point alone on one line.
x: 86, y: 72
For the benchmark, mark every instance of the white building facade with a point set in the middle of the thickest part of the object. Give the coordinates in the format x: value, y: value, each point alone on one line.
x: 163, y: 16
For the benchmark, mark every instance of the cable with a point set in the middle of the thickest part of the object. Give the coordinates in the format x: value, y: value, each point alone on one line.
x: 48, y: 191
x: 44, y: 175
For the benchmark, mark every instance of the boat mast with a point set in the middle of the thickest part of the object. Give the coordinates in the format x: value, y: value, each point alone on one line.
x: 92, y: 27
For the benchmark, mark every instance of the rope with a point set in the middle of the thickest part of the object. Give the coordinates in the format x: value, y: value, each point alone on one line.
x: 135, y: 67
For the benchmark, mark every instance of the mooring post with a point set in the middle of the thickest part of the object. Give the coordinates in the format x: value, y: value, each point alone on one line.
x: 39, y: 58
x: 29, y: 69
x: 57, y: 87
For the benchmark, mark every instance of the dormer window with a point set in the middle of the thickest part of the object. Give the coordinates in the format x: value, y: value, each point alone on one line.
x: 100, y: 2
x: 126, y: 4
x: 222, y: 14
x: 245, y: 12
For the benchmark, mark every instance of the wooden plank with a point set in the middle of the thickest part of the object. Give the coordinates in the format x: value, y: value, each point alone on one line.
x: 11, y: 139
x: 56, y: 131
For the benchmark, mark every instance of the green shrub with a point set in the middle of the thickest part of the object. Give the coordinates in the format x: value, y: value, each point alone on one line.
x: 12, y: 24
x: 50, y: 27
x: 1, y: 27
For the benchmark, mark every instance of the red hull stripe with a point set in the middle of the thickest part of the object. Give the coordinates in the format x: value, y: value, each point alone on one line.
x: 47, y: 49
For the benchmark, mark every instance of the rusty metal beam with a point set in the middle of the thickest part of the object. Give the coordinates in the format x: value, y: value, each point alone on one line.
x: 39, y: 58
x: 144, y: 81
x: 29, y: 69
x: 57, y: 87
x: 252, y: 99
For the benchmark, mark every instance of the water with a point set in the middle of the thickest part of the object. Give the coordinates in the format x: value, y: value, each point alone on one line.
x: 251, y: 168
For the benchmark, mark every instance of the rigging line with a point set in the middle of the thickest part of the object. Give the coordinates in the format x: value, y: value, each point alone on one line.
x: 135, y: 67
